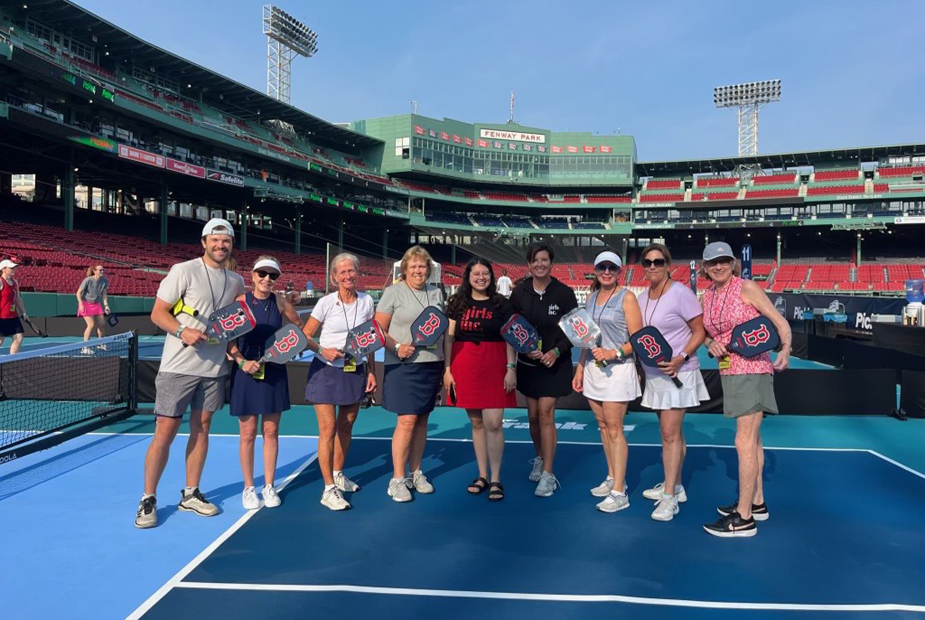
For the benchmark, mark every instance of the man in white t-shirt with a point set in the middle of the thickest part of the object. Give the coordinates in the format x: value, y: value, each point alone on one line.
x: 504, y: 284
x: 191, y: 376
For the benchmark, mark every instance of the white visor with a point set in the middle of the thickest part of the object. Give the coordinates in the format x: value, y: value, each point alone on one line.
x: 267, y: 264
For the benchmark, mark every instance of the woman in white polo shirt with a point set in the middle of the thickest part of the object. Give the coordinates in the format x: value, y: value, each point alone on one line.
x: 337, y: 386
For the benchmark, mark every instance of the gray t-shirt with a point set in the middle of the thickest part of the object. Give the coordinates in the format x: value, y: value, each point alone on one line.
x: 405, y: 305
x: 92, y: 289
x: 206, y: 290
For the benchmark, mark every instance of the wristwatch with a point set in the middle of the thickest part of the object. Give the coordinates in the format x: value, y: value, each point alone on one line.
x: 620, y: 354
x: 685, y: 355
x: 180, y: 331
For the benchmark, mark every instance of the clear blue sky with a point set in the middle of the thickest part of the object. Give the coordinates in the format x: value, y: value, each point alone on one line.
x: 850, y: 70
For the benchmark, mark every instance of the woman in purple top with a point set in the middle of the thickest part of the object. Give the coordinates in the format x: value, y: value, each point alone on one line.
x: 674, y: 310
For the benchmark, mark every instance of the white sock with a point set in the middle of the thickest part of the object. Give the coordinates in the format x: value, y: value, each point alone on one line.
x: 609, y: 478
x: 189, y: 490
x: 145, y: 496
x: 338, y: 472
x: 617, y: 493
x: 677, y: 489
x: 328, y: 487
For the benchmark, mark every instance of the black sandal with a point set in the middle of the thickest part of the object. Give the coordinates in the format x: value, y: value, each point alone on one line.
x: 495, y: 492
x: 479, y: 483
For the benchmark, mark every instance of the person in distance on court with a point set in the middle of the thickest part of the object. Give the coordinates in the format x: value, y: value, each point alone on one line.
x: 11, y: 306
x: 412, y: 376
x: 504, y: 284
x: 191, y: 376
x: 545, y: 375
x: 93, y: 301
x: 609, y: 389
x: 674, y: 310
x: 481, y: 372
x: 748, y: 383
x: 260, y: 390
x: 336, y: 386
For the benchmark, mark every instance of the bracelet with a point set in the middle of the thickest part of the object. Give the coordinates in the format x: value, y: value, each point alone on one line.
x: 511, y: 366
x: 620, y: 355
x: 180, y: 330
x: 556, y: 352
x: 241, y: 363
x: 397, y: 346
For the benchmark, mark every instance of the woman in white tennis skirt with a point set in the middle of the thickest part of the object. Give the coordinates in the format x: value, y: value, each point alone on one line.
x: 609, y: 389
x: 672, y: 308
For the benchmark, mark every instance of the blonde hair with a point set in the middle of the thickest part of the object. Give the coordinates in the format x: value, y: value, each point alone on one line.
x: 92, y: 268
x: 341, y: 258
x: 413, y: 252
x: 736, y: 269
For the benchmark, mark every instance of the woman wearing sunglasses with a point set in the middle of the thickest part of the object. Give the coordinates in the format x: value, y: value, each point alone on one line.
x: 609, y: 389
x: 260, y: 390
x: 673, y: 309
x: 748, y: 383
x: 336, y: 385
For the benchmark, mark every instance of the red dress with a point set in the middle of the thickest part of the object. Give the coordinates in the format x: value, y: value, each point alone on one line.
x: 479, y: 358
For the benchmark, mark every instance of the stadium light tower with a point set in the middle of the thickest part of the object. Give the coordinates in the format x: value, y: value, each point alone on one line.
x: 287, y: 38
x: 747, y: 98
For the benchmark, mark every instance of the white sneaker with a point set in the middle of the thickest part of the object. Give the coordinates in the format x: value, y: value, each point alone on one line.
x: 334, y: 500
x: 547, y: 486
x: 614, y: 503
x: 249, y: 499
x: 655, y: 493
x: 419, y: 483
x: 345, y: 484
x: 666, y: 508
x: 398, y: 490
x: 537, y: 470
x: 270, y: 497
x: 603, y: 489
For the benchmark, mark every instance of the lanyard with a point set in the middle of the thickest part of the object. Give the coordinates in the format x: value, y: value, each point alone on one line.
x: 601, y: 306
x: 356, y: 308
x: 722, y: 310
x: 415, y: 295
x: 211, y: 292
x: 648, y: 320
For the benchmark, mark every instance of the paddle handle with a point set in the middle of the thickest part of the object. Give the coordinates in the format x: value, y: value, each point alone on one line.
x: 677, y: 382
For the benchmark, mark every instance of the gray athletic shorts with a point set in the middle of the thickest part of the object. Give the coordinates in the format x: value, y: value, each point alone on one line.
x: 747, y: 394
x: 176, y: 393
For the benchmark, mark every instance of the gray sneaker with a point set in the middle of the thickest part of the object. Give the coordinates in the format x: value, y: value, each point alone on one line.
x: 345, y: 484
x: 419, y: 483
x: 666, y: 508
x: 334, y: 500
x: 614, y: 503
x: 537, y: 470
x: 655, y: 493
x: 398, y: 490
x: 196, y: 502
x: 603, y: 489
x: 547, y: 486
x: 147, y: 513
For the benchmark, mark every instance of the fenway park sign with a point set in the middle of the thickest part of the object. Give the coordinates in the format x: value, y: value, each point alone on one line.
x: 517, y: 136
x: 224, y: 177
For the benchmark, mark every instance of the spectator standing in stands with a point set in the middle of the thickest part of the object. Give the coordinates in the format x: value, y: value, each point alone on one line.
x: 481, y: 372
x: 545, y: 375
x: 504, y: 284
x: 191, y: 376
x: 11, y: 306
x: 412, y: 376
x: 93, y: 301
x: 261, y: 390
x: 672, y: 308
x: 609, y: 389
x: 336, y: 386
x: 748, y: 383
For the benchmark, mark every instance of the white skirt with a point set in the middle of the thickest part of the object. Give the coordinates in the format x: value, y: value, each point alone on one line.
x: 661, y: 392
x: 615, y: 383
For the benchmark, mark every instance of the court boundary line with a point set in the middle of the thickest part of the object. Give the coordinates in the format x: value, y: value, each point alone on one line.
x: 568, y: 598
x: 171, y: 583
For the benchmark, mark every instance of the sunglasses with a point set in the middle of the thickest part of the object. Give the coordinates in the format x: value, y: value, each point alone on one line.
x: 267, y: 274
x: 606, y: 267
x: 657, y: 262
x: 725, y: 260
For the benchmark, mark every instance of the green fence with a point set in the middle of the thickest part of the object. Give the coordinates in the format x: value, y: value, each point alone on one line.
x: 54, y: 304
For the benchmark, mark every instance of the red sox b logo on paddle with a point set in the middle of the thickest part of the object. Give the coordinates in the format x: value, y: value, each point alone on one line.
x: 519, y: 333
x: 288, y: 342
x: 431, y: 325
x: 230, y: 323
x: 650, y: 345
x: 756, y: 336
x: 366, y: 339
x: 580, y: 327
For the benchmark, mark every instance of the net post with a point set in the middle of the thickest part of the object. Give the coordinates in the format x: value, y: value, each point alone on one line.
x: 133, y: 373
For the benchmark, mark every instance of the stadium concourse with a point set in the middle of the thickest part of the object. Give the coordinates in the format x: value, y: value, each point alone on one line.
x: 114, y: 151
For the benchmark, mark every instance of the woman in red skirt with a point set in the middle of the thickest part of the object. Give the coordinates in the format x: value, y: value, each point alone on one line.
x: 481, y: 376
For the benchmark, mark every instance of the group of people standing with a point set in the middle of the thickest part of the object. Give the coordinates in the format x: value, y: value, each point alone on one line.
x: 479, y: 371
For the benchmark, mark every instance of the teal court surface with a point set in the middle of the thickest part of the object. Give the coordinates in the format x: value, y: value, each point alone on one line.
x: 844, y: 538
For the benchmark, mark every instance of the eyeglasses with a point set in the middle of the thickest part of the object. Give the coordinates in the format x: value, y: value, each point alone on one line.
x: 657, y: 262
x: 606, y: 267
x: 267, y: 274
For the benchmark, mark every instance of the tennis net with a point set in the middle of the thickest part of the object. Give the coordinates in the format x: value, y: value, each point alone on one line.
x: 52, y: 394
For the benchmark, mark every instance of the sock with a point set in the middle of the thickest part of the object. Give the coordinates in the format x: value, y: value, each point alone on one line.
x: 338, y: 472
x: 189, y: 490
x: 609, y: 478
x: 617, y: 493
x: 677, y: 489
x: 328, y: 487
x: 145, y: 496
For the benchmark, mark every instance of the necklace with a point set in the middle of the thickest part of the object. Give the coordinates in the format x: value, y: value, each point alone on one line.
x: 648, y: 320
x: 212, y: 292
x: 722, y: 310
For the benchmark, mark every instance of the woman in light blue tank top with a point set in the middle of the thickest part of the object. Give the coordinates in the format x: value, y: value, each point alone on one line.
x: 610, y: 388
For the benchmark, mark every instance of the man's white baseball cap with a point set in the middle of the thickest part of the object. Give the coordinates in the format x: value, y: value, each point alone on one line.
x: 217, y: 222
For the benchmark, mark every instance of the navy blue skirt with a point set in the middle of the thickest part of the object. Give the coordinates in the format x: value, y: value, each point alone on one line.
x: 251, y: 396
x: 411, y: 388
x: 330, y: 385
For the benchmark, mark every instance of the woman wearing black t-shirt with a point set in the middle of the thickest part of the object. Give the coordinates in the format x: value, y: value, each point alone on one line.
x: 481, y: 375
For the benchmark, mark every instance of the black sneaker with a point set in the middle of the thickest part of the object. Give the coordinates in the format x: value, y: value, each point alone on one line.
x: 759, y: 511
x: 147, y: 513
x: 196, y: 502
x: 732, y: 525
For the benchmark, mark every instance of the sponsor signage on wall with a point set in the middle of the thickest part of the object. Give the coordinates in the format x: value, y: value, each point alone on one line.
x: 483, y: 143
x: 606, y: 149
x: 910, y: 219
x: 142, y: 157
x: 855, y: 312
x: 184, y: 168
x: 224, y: 177
x: 518, y: 136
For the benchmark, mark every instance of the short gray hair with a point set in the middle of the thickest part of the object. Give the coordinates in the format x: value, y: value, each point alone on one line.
x: 341, y: 258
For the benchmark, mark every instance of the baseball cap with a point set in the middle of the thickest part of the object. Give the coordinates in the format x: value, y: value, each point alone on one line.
x: 607, y: 256
x: 717, y: 249
x: 8, y: 263
x: 217, y: 222
x: 267, y: 263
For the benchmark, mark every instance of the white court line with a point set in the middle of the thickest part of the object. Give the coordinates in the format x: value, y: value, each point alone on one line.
x: 569, y: 598
x: 205, y: 553
x: 897, y: 464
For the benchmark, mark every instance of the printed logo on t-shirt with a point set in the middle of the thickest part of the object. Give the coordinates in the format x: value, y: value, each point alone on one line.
x: 473, y: 317
x: 553, y: 310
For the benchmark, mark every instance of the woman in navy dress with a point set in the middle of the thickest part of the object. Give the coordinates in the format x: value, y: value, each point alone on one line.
x: 260, y: 389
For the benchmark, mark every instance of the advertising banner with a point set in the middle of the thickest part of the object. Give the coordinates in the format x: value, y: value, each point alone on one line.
x: 468, y: 141
x: 556, y: 149
x: 184, y: 168
x: 588, y: 149
x: 142, y: 157
x: 224, y: 177
x: 854, y: 312
x: 419, y: 130
x: 483, y: 143
x: 571, y: 149
x: 519, y: 136
x: 606, y: 149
